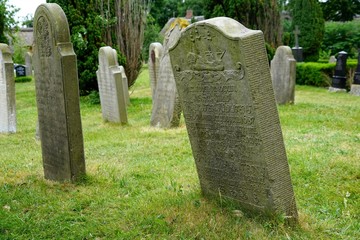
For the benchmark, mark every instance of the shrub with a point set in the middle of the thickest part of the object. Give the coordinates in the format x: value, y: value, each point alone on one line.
x: 320, y: 74
x: 23, y: 79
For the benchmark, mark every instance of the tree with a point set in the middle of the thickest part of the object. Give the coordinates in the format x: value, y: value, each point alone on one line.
x: 254, y: 14
x: 7, y: 21
x: 340, y: 10
x: 307, y: 15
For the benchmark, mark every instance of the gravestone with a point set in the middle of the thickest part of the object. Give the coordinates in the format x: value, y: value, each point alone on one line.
x: 283, y: 75
x: 339, y: 79
x: 57, y: 96
x: 297, y: 50
x: 20, y: 70
x: 28, y: 62
x: 111, y: 87
x: 332, y: 59
x: 223, y: 78
x: 166, y: 108
x: 7, y: 91
x: 125, y: 85
x: 355, y: 86
x: 155, y: 54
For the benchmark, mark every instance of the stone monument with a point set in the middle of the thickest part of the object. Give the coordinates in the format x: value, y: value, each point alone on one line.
x: 166, y: 108
x: 28, y: 63
x: 111, y: 87
x: 20, y: 70
x: 125, y: 84
x: 283, y: 75
x: 155, y: 54
x: 223, y: 79
x: 57, y: 96
x: 339, y: 79
x: 355, y: 86
x: 297, y: 50
x: 7, y: 91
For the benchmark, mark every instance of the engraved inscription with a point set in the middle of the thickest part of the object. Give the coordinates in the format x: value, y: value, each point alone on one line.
x: 43, y: 37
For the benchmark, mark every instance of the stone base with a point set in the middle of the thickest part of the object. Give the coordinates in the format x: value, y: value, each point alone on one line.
x: 355, y: 89
x: 332, y: 89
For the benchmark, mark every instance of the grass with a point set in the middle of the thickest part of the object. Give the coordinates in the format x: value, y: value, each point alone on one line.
x: 141, y: 182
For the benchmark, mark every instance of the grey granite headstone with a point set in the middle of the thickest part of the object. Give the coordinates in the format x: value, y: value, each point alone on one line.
x: 28, y: 62
x: 166, y: 108
x: 57, y: 96
x: 283, y: 75
x: 111, y: 87
x: 7, y: 91
x: 155, y: 54
x: 223, y: 78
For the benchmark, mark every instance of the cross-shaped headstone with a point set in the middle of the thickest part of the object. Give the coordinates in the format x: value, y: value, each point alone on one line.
x: 296, y: 33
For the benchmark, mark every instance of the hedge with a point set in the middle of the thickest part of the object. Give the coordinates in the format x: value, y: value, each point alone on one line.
x: 320, y: 74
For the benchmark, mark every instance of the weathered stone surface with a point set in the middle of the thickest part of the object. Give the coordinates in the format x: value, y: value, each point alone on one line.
x: 111, y: 87
x: 155, y: 54
x: 223, y: 78
x: 332, y: 59
x: 57, y: 96
x: 125, y: 85
x: 166, y: 109
x: 7, y: 91
x: 283, y: 75
x: 28, y: 63
x: 355, y: 89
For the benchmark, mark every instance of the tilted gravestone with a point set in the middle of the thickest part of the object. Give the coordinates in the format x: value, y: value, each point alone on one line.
x: 57, y: 96
x: 7, y: 91
x: 223, y: 78
x: 155, y: 54
x: 28, y: 62
x: 339, y: 79
x: 111, y: 87
x: 283, y: 75
x: 20, y: 70
x: 166, y: 108
x: 355, y: 86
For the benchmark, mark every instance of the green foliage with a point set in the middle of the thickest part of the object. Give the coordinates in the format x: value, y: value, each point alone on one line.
x: 7, y: 21
x: 340, y: 10
x: 342, y: 36
x: 320, y: 74
x: 23, y: 79
x: 308, y: 16
x: 151, y: 35
x: 19, y: 51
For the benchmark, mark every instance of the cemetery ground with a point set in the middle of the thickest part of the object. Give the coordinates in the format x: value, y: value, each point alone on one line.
x: 141, y: 182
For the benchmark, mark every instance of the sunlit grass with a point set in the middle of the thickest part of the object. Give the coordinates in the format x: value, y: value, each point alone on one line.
x: 141, y: 181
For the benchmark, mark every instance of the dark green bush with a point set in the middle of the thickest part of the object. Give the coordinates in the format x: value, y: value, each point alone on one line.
x: 320, y: 74
x: 23, y: 79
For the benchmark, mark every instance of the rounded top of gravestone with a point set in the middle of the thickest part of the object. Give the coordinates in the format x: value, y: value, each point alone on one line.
x: 5, y: 52
x: 108, y: 56
x: 57, y: 18
x: 155, y: 48
x: 284, y: 50
x: 343, y: 53
x: 228, y: 26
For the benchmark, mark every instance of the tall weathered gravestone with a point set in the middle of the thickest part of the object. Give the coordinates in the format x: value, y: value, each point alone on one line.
x: 155, y: 54
x: 339, y: 79
x: 111, y: 87
x: 7, y: 91
x: 283, y: 75
x: 223, y: 78
x: 166, y: 108
x: 28, y: 62
x: 355, y: 86
x: 57, y: 96
x: 125, y: 84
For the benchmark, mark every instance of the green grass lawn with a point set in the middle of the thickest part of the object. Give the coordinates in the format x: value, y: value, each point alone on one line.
x: 142, y: 184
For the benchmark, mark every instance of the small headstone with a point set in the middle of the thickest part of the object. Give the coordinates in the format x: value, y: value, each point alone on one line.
x: 283, y: 75
x: 28, y: 62
x: 166, y: 109
x: 7, y: 91
x: 155, y: 54
x: 332, y: 59
x: 223, y: 78
x: 111, y: 87
x: 20, y: 70
x: 355, y: 87
x: 297, y: 50
x: 339, y: 78
x: 57, y: 96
